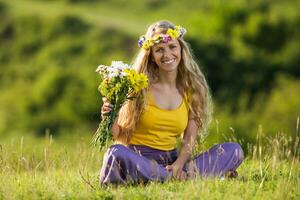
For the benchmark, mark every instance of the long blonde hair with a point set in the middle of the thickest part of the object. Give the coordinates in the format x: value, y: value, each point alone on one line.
x: 191, y: 84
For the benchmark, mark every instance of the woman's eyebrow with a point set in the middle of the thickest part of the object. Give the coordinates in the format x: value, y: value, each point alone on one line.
x: 172, y: 43
x: 158, y: 47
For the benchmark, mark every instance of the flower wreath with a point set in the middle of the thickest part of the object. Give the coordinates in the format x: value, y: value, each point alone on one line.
x: 171, y: 34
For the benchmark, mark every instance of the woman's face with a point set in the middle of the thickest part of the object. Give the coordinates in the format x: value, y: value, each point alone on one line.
x: 167, y: 56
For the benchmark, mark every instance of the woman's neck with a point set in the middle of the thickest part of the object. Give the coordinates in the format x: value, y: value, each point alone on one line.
x: 167, y: 80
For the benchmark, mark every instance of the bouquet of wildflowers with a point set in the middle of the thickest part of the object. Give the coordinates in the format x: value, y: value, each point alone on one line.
x: 119, y: 83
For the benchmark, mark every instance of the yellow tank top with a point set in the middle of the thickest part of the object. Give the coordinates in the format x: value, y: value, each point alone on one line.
x: 159, y: 128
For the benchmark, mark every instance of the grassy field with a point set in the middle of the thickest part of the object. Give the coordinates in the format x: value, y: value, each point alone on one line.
x: 103, y: 14
x: 67, y: 168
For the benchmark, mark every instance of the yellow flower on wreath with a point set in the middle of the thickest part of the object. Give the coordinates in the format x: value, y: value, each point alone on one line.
x: 148, y: 44
x: 174, y: 33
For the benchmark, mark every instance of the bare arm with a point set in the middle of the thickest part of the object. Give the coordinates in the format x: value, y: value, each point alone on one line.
x: 115, y: 129
x: 188, y: 143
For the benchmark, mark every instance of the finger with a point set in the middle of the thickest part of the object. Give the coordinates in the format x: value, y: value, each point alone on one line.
x: 169, y: 168
x: 106, y: 108
x: 107, y: 104
x: 183, y: 176
x: 104, y: 99
x: 105, y: 112
x: 178, y: 174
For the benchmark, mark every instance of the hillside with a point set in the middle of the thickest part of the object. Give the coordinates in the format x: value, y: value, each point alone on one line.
x: 49, y: 50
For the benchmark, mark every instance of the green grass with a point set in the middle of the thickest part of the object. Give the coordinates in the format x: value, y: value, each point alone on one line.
x: 97, y: 15
x: 67, y: 168
x: 104, y: 15
x: 129, y: 17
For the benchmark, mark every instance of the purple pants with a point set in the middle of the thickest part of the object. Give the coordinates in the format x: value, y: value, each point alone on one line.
x: 140, y: 164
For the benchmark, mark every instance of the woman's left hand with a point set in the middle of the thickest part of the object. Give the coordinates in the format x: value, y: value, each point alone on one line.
x: 177, y: 171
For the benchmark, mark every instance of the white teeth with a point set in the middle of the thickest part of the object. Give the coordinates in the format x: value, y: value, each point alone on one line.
x: 169, y: 61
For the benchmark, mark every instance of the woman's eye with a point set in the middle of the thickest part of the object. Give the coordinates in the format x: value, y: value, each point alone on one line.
x: 158, y: 50
x: 173, y: 46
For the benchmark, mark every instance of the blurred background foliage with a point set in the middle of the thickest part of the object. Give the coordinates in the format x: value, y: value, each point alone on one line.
x: 49, y: 50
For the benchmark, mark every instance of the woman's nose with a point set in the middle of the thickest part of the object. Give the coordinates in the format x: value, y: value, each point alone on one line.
x: 167, y: 53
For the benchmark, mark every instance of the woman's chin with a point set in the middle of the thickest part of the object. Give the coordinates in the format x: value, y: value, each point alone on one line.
x: 169, y: 67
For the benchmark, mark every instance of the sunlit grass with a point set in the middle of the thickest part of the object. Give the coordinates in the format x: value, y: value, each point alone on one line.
x: 67, y: 168
x: 122, y: 16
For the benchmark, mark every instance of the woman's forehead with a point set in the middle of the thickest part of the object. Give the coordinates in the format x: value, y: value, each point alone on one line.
x: 163, y: 44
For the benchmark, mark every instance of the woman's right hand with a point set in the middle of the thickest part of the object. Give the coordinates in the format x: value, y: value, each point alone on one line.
x: 106, y: 107
x: 105, y: 110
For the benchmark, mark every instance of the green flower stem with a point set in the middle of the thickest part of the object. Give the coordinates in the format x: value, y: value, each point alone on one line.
x: 103, y: 134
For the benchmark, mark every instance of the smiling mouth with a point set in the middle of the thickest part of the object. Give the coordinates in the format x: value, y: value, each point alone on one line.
x: 168, y: 61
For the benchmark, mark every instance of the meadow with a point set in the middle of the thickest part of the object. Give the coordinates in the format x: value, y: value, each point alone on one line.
x: 49, y: 103
x: 68, y: 168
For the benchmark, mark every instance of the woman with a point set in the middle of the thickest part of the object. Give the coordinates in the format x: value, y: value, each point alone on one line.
x: 176, y: 102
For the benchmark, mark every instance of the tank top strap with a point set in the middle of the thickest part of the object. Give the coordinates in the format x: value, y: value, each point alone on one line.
x: 150, y: 97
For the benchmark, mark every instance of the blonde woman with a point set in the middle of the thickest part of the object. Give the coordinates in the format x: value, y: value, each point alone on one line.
x: 177, y: 102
